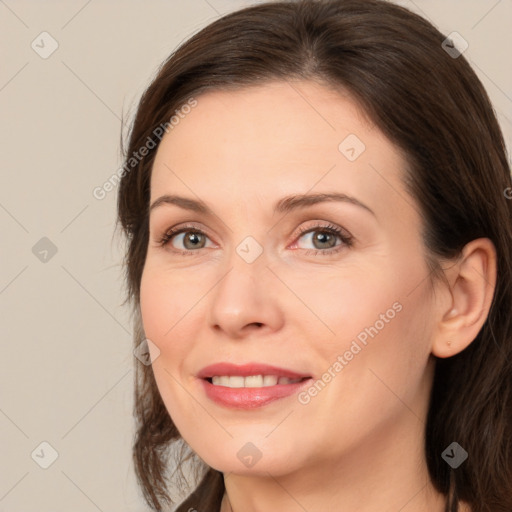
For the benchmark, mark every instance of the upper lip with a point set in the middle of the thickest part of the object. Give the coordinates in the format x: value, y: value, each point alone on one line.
x: 244, y: 370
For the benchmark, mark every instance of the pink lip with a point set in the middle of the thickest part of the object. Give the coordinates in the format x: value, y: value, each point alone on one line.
x: 249, y: 398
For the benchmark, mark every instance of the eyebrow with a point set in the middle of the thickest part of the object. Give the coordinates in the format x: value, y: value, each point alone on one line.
x: 284, y: 205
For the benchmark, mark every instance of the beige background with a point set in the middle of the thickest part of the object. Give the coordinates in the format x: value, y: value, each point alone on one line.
x: 66, y: 361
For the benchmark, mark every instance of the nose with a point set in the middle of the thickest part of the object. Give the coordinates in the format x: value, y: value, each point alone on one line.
x: 245, y: 299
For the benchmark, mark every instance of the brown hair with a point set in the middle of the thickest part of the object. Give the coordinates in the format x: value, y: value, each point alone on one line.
x: 435, y: 109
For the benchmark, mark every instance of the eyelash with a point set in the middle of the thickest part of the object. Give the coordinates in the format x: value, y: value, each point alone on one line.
x: 347, y: 240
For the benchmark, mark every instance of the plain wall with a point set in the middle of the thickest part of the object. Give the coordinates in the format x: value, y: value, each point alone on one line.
x: 66, y: 360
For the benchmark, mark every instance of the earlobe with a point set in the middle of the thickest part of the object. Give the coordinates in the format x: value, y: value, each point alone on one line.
x: 472, y: 281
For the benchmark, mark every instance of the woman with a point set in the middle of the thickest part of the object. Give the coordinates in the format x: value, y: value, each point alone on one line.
x: 315, y: 199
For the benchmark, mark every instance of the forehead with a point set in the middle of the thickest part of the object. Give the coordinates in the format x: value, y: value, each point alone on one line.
x: 271, y: 140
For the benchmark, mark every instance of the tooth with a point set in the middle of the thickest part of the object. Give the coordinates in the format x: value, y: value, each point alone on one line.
x: 236, y: 381
x: 269, y: 380
x: 224, y: 380
x: 253, y: 381
x: 220, y: 381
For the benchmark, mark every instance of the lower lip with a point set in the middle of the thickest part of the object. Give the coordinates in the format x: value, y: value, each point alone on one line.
x: 250, y: 398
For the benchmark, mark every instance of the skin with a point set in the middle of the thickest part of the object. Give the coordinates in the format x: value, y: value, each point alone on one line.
x: 358, y: 444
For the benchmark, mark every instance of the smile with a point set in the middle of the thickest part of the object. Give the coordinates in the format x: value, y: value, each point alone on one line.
x: 250, y: 385
x: 251, y: 381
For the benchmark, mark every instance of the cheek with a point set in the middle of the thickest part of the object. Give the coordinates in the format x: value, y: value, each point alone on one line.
x: 169, y: 302
x: 376, y: 320
x: 384, y: 340
x: 160, y: 311
x: 344, y: 304
x: 149, y: 304
x: 164, y: 300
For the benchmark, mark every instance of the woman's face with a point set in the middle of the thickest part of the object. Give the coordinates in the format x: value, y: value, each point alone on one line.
x: 267, y: 273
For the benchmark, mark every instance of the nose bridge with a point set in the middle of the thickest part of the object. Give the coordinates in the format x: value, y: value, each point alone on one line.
x: 247, y: 253
x: 250, y: 250
x: 247, y: 270
x: 242, y: 296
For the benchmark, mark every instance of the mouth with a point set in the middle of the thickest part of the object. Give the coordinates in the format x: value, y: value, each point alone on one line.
x: 250, y: 385
x: 251, y: 381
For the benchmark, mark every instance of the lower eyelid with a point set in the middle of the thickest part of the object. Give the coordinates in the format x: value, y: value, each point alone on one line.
x: 345, y: 239
x: 184, y: 232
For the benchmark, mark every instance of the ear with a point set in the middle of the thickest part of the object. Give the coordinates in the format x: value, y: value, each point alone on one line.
x: 472, y: 281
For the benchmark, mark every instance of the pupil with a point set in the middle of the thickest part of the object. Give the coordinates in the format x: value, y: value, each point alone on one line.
x: 192, y: 238
x: 321, y: 237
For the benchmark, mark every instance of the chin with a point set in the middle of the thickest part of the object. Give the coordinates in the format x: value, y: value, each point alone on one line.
x: 257, y: 458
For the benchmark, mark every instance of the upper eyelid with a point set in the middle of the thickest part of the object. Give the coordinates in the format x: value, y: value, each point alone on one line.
x: 297, y: 233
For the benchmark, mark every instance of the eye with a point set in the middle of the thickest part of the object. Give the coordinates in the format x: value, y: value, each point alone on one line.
x: 324, y: 239
x: 191, y: 237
